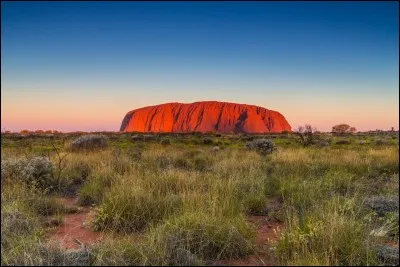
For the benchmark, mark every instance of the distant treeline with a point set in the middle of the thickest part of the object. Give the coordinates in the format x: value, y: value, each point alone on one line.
x: 77, y: 133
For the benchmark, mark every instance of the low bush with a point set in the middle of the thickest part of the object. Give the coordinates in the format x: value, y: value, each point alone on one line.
x: 381, y: 142
x: 262, y: 146
x: 126, y: 209
x: 21, y: 243
x: 215, y: 149
x: 134, y: 154
x: 322, y: 142
x: 120, y: 164
x: 255, y: 204
x: 328, y: 234
x: 137, y: 138
x: 82, y: 170
x: 388, y: 255
x: 382, y: 204
x: 46, y: 206
x: 204, y: 237
x: 342, y: 142
x: 11, y: 169
x: 197, y: 161
x: 90, y: 142
x: 124, y: 251
x: 305, y: 135
x: 165, y: 142
x: 36, y: 172
x: 93, y: 190
x: 15, y: 224
x: 207, y: 141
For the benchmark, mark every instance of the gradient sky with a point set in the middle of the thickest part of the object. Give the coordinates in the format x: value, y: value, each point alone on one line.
x: 82, y: 65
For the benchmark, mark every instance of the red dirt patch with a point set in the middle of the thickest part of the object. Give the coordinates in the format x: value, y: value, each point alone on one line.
x: 268, y: 230
x: 74, y: 227
x: 393, y: 243
x: 267, y: 235
x: 69, y: 202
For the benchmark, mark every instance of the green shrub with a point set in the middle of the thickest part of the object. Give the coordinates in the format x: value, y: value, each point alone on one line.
x: 322, y: 142
x: 39, y: 171
x: 195, y: 161
x: 122, y: 252
x: 207, y: 141
x: 82, y: 170
x: 255, y: 204
x: 46, y: 206
x: 262, y: 146
x: 207, y: 237
x: 32, y: 252
x: 161, y: 162
x: 216, y: 149
x: 381, y: 142
x: 388, y: 255
x: 182, y: 163
x: 89, y: 143
x: 192, y: 153
x: 93, y: 190
x: 342, y: 142
x: 202, y: 163
x: 328, y: 234
x: 15, y: 224
x: 137, y: 138
x: 77, y: 174
x: 21, y: 243
x: 11, y: 169
x: 120, y: 164
x: 134, y: 154
x: 36, y: 172
x: 165, y: 142
x: 133, y: 209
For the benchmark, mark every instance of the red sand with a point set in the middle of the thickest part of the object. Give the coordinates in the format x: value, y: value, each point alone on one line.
x: 73, y: 228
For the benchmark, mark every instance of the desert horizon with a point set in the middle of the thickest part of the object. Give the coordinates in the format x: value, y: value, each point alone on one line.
x: 99, y: 129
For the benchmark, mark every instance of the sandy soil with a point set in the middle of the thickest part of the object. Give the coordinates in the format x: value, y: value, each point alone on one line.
x: 74, y: 228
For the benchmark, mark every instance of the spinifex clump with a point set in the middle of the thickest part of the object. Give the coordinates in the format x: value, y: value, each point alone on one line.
x: 89, y: 143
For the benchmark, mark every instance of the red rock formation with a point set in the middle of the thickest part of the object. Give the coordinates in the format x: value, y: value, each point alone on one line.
x: 207, y: 116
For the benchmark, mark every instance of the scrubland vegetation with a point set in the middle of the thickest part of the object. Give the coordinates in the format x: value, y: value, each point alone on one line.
x: 185, y: 199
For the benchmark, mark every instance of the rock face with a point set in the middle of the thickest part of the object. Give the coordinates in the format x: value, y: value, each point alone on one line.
x: 207, y: 116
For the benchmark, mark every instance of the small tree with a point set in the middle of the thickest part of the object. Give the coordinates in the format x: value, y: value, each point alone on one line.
x: 262, y: 146
x: 61, y: 166
x: 305, y: 134
x: 343, y: 129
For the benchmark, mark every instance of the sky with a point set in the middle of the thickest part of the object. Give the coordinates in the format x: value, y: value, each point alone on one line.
x: 80, y: 66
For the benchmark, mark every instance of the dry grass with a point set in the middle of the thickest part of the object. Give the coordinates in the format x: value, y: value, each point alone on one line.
x: 182, y: 203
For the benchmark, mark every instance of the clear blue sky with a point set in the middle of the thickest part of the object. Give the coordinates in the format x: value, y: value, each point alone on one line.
x: 83, y: 65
